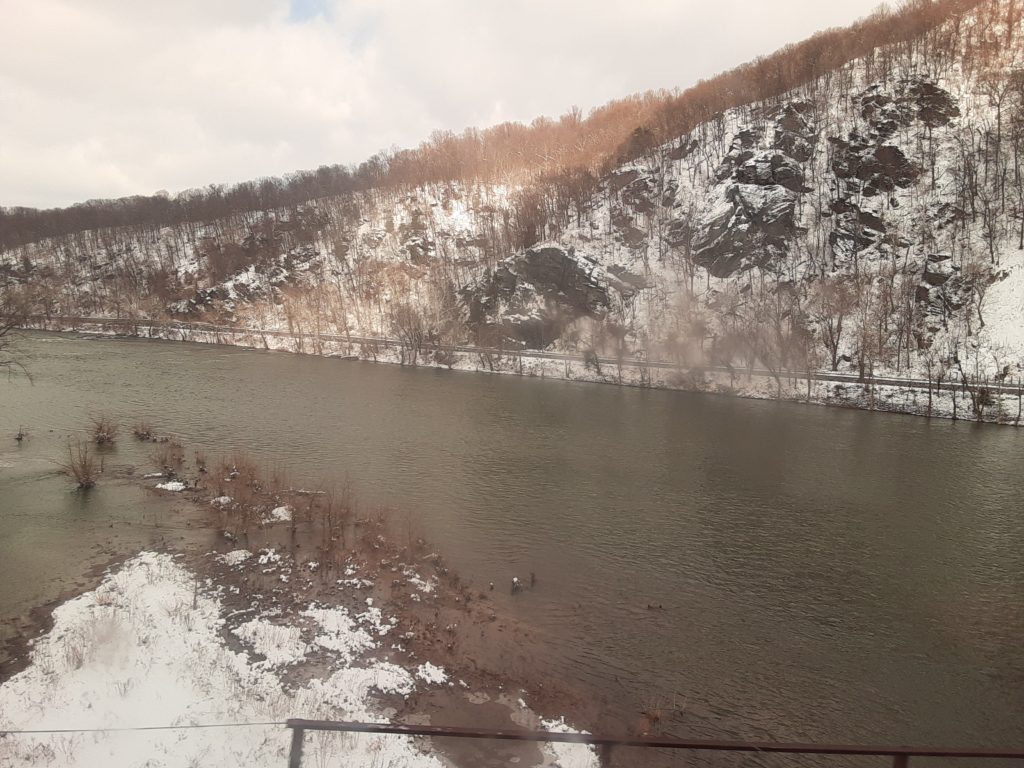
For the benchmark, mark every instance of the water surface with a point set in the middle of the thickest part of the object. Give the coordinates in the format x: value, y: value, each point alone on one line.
x: 824, y: 574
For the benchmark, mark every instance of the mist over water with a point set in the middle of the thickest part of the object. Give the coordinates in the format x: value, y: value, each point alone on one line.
x: 814, y: 574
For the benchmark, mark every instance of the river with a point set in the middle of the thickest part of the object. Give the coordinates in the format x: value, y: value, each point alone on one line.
x: 822, y: 574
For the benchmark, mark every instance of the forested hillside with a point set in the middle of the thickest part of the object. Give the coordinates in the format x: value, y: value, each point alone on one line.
x: 854, y: 203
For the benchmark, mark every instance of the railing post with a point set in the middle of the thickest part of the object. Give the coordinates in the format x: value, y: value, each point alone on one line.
x: 295, y: 756
x: 900, y: 761
x: 604, y: 755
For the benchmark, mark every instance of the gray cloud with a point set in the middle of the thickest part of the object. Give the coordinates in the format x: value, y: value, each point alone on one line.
x: 102, y: 98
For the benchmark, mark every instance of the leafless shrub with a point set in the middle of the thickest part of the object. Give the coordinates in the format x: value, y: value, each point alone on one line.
x: 239, y: 477
x: 104, y: 430
x: 82, y: 465
x: 200, y: 459
x: 239, y: 468
x: 445, y: 357
x: 333, y: 511
x: 143, y: 430
x: 170, y: 457
x: 74, y: 653
x: 278, y: 482
x: 368, y: 350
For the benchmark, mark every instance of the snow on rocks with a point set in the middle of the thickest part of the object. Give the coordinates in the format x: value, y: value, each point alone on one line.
x: 221, y: 501
x: 431, y: 673
x: 355, y: 583
x: 374, y: 617
x: 144, y: 650
x: 175, y: 486
x: 281, y: 514
x: 423, y: 585
x: 235, y: 557
x: 269, y: 557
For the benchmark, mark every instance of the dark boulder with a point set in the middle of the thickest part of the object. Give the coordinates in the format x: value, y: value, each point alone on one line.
x: 561, y: 276
x: 795, y: 131
x: 629, y: 234
x: 770, y: 167
x: 872, y: 168
x: 750, y: 227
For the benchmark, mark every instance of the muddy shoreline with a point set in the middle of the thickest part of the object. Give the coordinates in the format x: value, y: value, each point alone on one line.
x: 490, y: 657
x: 191, y: 530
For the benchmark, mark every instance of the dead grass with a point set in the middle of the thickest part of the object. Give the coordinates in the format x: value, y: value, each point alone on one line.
x: 170, y: 457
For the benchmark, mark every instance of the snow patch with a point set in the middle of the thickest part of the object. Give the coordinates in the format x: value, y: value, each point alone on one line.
x: 269, y: 556
x: 235, y: 557
x: 144, y: 650
x: 339, y: 632
x: 430, y: 673
x: 279, y: 515
x: 174, y: 485
x: 280, y: 645
x: 568, y: 755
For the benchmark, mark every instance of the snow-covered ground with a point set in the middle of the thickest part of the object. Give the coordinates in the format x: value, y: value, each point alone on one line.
x: 147, y: 649
x: 910, y: 398
x: 1004, y: 302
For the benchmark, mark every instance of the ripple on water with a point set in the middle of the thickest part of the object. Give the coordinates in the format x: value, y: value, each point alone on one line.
x: 815, y: 566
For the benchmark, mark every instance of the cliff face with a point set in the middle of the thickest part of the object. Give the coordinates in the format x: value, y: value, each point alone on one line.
x: 870, y: 220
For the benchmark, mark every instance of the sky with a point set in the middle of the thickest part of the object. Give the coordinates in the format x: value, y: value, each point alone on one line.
x: 104, y: 98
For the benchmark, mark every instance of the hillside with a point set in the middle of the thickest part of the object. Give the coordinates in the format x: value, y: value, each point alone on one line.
x: 868, y: 220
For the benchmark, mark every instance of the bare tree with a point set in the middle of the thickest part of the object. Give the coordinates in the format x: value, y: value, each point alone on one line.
x: 14, y: 314
x: 408, y: 323
x: 82, y: 465
x: 831, y: 300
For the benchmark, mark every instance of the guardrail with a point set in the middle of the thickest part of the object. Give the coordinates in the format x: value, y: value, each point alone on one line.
x: 900, y: 755
x: 945, y: 384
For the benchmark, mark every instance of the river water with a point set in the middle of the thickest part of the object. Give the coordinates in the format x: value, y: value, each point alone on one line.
x: 823, y: 574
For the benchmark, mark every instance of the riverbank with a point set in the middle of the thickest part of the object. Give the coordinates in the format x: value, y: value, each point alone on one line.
x: 980, y: 400
x: 102, y: 542
x: 825, y: 538
x: 274, y: 620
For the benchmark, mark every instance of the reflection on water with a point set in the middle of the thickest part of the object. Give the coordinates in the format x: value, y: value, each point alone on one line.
x: 823, y: 574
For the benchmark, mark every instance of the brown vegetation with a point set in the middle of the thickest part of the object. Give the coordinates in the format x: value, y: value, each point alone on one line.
x: 143, y: 430
x: 565, y: 153
x: 82, y: 464
x: 104, y: 430
x: 15, y: 307
x: 170, y: 457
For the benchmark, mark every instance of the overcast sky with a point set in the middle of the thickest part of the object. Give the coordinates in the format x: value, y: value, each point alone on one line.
x: 102, y: 98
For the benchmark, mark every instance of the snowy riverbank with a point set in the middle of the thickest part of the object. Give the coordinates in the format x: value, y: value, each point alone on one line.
x: 892, y: 393
x: 154, y: 646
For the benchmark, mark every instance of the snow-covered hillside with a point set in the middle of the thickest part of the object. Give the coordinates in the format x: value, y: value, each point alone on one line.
x: 870, y: 221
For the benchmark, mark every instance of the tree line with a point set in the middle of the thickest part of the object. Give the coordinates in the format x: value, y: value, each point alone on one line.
x: 562, y: 158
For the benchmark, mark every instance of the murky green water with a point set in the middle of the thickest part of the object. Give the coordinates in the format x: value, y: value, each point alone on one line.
x: 825, y: 574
